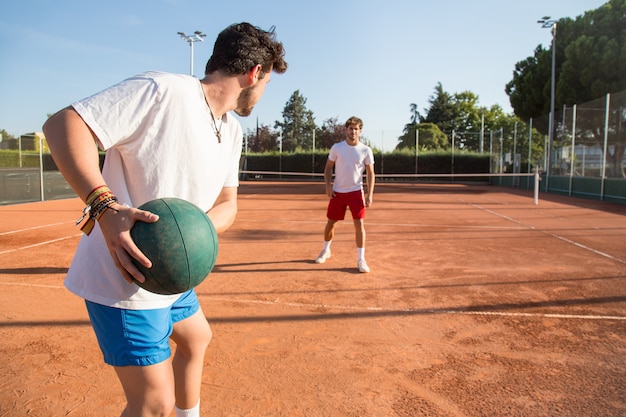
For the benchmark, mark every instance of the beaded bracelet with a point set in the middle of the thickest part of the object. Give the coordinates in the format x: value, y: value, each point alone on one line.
x: 99, y: 200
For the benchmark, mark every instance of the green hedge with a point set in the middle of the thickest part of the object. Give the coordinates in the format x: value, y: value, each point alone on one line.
x: 388, y: 163
x: 30, y: 159
x: 11, y: 159
x: 307, y: 162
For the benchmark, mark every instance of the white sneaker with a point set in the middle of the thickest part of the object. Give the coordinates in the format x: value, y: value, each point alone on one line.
x: 363, y: 266
x: 324, y: 254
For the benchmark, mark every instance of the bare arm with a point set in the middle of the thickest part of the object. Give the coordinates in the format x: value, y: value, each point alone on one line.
x: 73, y: 147
x: 224, y: 210
x: 371, y: 181
x: 328, y: 177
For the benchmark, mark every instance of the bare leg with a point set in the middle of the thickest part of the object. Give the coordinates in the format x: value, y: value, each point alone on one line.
x: 192, y: 337
x: 149, y: 390
x: 329, y: 230
x: 359, y: 229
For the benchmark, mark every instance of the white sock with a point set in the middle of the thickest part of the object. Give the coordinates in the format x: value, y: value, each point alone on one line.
x: 361, y: 252
x: 327, y: 244
x: 191, y: 412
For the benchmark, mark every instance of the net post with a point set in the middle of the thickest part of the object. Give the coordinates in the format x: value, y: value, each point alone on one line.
x: 536, y: 189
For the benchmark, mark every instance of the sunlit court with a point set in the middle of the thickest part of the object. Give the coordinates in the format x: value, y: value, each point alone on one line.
x: 479, y: 302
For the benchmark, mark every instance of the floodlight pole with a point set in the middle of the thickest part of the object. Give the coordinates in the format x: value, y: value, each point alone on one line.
x: 196, y: 37
x: 546, y: 22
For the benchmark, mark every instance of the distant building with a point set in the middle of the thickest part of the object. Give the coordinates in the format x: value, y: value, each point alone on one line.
x: 25, y: 142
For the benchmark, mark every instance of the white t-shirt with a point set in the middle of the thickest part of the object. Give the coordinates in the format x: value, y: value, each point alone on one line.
x: 160, y: 142
x: 350, y: 162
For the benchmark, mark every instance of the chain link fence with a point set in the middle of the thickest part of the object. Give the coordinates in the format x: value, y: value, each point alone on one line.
x: 28, y: 173
x: 586, y: 158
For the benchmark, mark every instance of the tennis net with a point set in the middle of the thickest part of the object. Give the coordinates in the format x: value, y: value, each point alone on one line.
x: 524, y: 181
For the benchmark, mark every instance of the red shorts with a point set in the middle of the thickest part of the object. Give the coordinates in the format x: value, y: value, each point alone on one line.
x: 338, y: 204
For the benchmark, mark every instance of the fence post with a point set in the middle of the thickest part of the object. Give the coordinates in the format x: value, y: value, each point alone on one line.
x: 417, y: 143
x: 606, y: 139
x: 546, y: 162
x: 572, y: 153
x: 382, y: 152
x: 41, y: 187
x: 482, y: 132
x: 19, y: 150
x: 452, y: 161
x: 530, y: 141
x: 514, y: 141
x: 491, y: 151
x: 501, y: 150
x: 313, y: 156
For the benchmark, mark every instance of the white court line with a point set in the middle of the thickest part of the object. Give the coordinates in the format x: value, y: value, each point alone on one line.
x: 418, y: 310
x: 40, y: 244
x: 33, y: 228
x: 564, y: 239
x: 501, y: 215
x: 580, y: 245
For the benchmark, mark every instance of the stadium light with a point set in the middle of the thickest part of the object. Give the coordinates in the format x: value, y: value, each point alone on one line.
x: 545, y: 23
x: 196, y: 37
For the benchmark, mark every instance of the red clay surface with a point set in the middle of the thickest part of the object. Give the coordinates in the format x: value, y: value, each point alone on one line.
x: 479, y: 303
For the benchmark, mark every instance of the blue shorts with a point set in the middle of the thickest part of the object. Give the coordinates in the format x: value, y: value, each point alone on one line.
x: 138, y: 337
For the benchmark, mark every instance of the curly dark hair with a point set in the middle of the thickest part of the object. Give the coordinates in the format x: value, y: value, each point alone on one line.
x: 241, y: 46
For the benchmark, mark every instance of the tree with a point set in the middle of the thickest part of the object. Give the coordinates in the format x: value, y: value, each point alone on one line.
x: 458, y: 113
x: 6, y: 135
x: 590, y: 63
x: 415, y: 114
x: 440, y: 111
x: 7, y: 141
x: 430, y: 137
x: 262, y: 140
x: 512, y: 134
x: 330, y: 133
x: 298, y: 124
x: 468, y: 123
x: 594, y: 61
x: 526, y: 91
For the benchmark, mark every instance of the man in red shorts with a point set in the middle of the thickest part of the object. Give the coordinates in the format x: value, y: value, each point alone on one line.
x: 349, y: 159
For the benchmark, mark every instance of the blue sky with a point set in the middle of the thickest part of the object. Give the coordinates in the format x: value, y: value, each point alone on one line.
x: 366, y: 58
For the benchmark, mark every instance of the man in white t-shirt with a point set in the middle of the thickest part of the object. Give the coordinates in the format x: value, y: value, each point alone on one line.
x: 165, y: 135
x: 349, y: 158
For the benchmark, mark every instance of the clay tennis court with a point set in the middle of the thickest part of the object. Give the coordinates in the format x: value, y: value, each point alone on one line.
x: 479, y: 303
